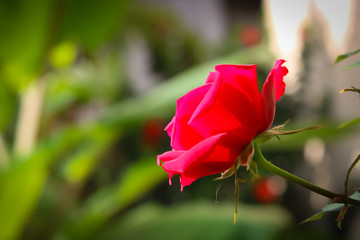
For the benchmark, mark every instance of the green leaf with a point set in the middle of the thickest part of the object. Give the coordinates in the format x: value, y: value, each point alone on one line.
x: 136, y: 181
x: 80, y: 165
x: 354, y: 65
x: 26, y: 20
x: 22, y: 182
x: 356, y: 195
x: 315, y: 217
x: 333, y: 207
x: 19, y: 188
x: 349, y: 123
x: 198, y: 220
x: 8, y: 105
x: 43, y: 24
x: 92, y: 22
x: 346, y: 55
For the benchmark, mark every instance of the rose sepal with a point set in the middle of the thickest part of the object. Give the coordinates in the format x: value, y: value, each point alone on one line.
x: 277, y: 131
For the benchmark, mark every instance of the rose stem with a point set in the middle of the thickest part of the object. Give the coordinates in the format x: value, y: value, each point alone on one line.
x: 261, y: 161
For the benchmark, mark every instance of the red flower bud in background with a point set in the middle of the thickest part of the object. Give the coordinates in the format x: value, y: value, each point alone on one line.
x: 268, y: 189
x: 152, y: 132
x: 215, y: 122
x: 249, y: 35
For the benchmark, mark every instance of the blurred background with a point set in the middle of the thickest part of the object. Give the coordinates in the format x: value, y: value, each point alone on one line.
x: 87, y: 87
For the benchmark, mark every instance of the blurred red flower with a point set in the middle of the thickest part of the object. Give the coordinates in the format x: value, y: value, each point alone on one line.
x: 250, y: 35
x: 268, y: 189
x: 152, y: 132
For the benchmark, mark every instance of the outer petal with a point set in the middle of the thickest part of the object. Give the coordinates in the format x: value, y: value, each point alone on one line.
x: 210, y: 156
x: 272, y: 90
x: 168, y: 156
x: 278, y: 77
x: 182, y: 135
x: 170, y: 126
x: 231, y: 105
x: 211, y: 78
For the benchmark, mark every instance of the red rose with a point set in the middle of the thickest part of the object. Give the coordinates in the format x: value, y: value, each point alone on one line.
x: 215, y: 122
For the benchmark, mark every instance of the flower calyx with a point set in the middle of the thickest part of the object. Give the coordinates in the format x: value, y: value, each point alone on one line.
x: 244, y: 159
x: 277, y: 131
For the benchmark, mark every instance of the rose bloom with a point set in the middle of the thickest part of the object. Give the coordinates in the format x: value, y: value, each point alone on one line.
x: 215, y: 122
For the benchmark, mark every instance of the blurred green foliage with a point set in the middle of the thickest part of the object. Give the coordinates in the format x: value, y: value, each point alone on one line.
x: 194, y: 220
x: 83, y: 174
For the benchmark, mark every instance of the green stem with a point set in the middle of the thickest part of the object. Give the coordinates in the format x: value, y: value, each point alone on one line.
x: 262, y: 162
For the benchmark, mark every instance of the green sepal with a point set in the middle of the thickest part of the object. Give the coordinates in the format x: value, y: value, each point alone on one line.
x: 254, y: 170
x: 244, y: 159
x: 247, y: 155
x: 277, y: 131
x: 229, y: 172
x: 341, y: 215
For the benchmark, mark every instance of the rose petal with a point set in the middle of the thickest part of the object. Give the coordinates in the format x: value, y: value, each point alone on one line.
x: 242, y: 77
x: 272, y: 91
x: 211, y: 78
x: 231, y: 105
x: 278, y: 77
x: 168, y: 156
x: 183, y: 136
x: 169, y: 127
x: 210, y: 156
x: 186, y: 181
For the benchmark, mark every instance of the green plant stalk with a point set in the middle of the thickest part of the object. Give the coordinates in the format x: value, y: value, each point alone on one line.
x: 265, y: 164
